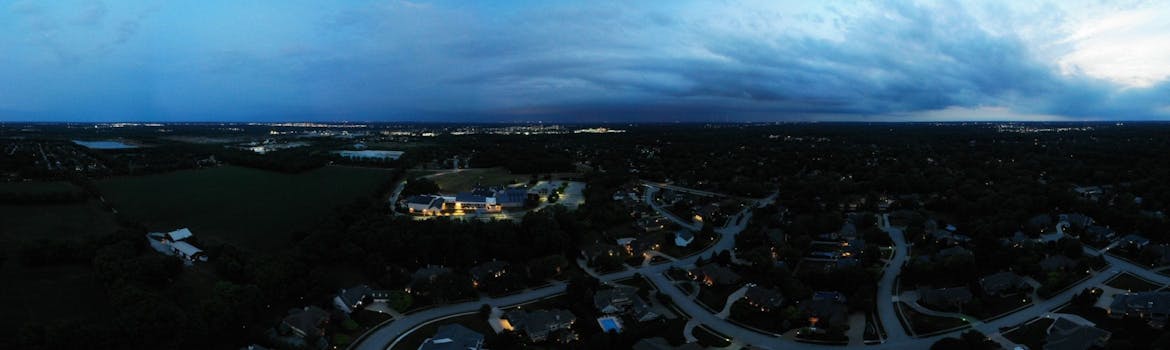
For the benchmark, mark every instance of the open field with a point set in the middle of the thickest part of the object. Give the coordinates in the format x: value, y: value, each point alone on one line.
x: 467, y: 179
x: 37, y: 187
x: 55, y: 221
x: 254, y: 209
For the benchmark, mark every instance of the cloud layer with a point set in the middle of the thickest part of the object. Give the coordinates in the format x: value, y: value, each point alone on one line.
x: 609, y: 61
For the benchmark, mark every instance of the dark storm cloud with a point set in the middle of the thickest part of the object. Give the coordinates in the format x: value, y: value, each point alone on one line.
x: 524, y: 60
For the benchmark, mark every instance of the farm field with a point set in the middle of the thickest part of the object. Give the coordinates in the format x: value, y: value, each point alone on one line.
x: 37, y: 187
x: 20, y: 222
x: 467, y: 179
x: 253, y: 209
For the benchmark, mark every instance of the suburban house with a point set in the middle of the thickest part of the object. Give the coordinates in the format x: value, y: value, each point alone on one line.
x: 650, y: 224
x: 1134, y: 240
x: 174, y: 243
x: 766, y: 299
x: 1002, y: 283
x: 1077, y: 220
x: 640, y: 245
x: 307, y: 322
x: 953, y: 251
x: 1057, y: 263
x: 826, y: 308
x: 623, y: 300
x: 594, y: 251
x: 354, y: 298
x: 944, y: 297
x: 1017, y: 240
x: 424, y: 204
x: 1152, y: 306
x: 453, y: 337
x: 1099, y: 233
x: 538, y: 325
x: 423, y: 275
x: 683, y: 237
x: 1160, y: 253
x: 660, y: 343
x: 715, y: 274
x: 1064, y: 334
x: 948, y: 237
x: 1041, y: 222
x: 488, y: 271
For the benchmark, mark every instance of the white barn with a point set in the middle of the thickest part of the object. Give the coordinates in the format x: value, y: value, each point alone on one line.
x: 174, y: 243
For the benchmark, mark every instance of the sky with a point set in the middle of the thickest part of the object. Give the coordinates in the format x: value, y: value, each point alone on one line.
x: 595, y: 61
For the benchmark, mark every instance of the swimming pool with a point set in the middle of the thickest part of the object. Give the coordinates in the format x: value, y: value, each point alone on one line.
x: 609, y: 323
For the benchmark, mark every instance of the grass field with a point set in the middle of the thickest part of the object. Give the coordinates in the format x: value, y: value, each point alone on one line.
x: 55, y: 221
x: 251, y: 208
x: 466, y: 179
x: 38, y: 187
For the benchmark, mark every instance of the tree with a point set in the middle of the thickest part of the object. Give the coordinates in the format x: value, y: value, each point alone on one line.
x: 400, y: 301
x: 485, y: 311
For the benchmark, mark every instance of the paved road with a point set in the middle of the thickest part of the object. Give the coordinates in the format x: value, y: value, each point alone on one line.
x: 886, y: 286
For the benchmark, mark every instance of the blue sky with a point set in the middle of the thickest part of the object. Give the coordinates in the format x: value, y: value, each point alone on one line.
x: 211, y: 60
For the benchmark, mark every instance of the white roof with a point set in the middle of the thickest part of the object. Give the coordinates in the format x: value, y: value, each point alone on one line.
x: 180, y: 234
x: 186, y: 248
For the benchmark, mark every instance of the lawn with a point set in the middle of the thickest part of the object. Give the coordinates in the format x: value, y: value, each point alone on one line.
x: 251, y: 208
x: 923, y: 324
x: 710, y: 338
x: 467, y: 179
x: 715, y: 297
x: 1127, y: 281
x: 992, y: 307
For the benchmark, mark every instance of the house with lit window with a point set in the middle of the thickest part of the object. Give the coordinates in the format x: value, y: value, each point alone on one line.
x: 175, y: 243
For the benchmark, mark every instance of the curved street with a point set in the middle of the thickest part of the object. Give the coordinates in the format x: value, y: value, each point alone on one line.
x: 897, y: 338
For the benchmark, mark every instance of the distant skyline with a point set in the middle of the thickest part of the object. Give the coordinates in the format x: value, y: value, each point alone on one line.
x: 562, y: 61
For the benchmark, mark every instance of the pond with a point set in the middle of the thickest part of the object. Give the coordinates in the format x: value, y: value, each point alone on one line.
x: 104, y: 144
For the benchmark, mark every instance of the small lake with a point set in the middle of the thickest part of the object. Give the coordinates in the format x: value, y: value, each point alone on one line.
x: 105, y: 144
